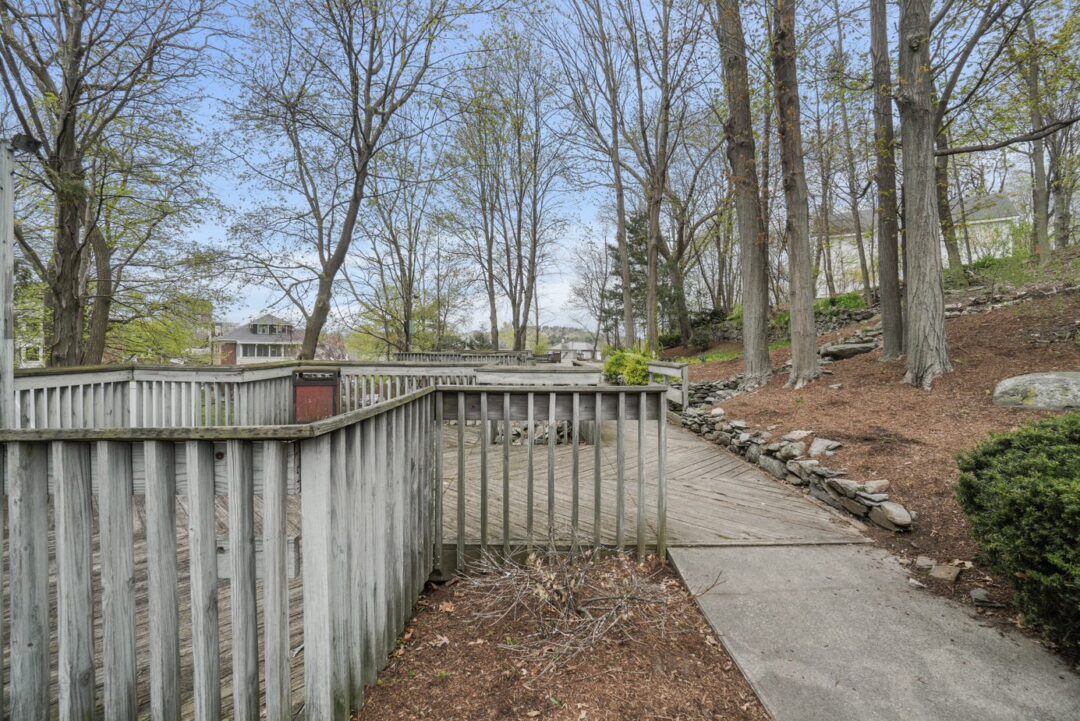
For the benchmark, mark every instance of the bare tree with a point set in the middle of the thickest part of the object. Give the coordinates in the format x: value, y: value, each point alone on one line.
x: 593, y: 64
x: 927, y: 348
x: 322, y: 84
x: 753, y: 236
x: 72, y: 73
x: 661, y: 38
x: 804, y: 358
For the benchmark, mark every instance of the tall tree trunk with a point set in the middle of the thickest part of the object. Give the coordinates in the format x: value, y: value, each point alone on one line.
x: 66, y: 327
x: 804, y: 357
x: 629, y: 331
x: 652, y: 302
x: 892, y: 322
x: 94, y: 352
x: 927, y: 348
x: 944, y: 207
x: 1062, y: 209
x: 1040, y: 191
x: 741, y: 153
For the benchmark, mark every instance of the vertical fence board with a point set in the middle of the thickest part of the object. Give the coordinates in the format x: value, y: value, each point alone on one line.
x: 641, y: 476
x: 460, y: 481
x: 28, y: 559
x: 598, y: 442
x: 620, y: 468
x: 202, y: 540
x: 245, y: 639
x: 276, y: 584
x: 117, y: 530
x: 324, y: 697
x: 161, y: 566
x: 75, y: 599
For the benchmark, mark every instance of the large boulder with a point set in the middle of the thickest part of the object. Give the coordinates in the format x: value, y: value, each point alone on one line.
x: 840, y: 351
x: 1055, y: 391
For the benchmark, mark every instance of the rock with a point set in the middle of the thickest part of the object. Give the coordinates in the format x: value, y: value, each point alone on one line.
x: 738, y: 424
x: 875, y: 486
x: 791, y: 451
x: 1057, y: 391
x: 981, y: 598
x: 796, y: 436
x: 824, y: 472
x: 802, y: 469
x: 776, y: 467
x: 871, y: 499
x: 925, y: 563
x: 753, y: 452
x: 723, y: 439
x: 795, y: 480
x: 916, y: 584
x: 823, y: 495
x: 840, y: 351
x: 717, y: 412
x: 821, y: 445
x: 836, y: 386
x: 891, y: 516
x: 854, y: 507
x: 948, y: 574
x: 843, y: 486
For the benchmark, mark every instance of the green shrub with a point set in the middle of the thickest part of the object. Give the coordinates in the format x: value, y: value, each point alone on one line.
x: 633, y: 367
x: 736, y: 315
x: 845, y: 301
x: 1021, y: 491
x: 669, y: 339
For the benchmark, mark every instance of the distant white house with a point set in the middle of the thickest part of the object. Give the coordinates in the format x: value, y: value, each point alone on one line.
x: 576, y: 350
x: 259, y: 340
x: 985, y: 227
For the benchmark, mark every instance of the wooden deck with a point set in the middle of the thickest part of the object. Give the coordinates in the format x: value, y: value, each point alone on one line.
x: 714, y: 497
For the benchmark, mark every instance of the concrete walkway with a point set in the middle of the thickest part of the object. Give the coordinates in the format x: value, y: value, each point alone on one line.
x: 836, y: 633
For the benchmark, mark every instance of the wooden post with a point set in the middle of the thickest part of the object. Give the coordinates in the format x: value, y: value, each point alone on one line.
x: 661, y: 479
x: 642, y: 413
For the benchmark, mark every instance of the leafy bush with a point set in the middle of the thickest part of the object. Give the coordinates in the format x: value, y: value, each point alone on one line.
x: 736, y: 315
x: 633, y: 367
x: 702, y: 337
x: 845, y: 301
x: 1021, y: 491
x: 669, y: 339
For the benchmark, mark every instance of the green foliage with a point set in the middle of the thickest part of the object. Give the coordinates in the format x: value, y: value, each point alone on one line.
x: 670, y: 339
x: 845, y: 301
x: 736, y: 314
x: 780, y: 322
x: 632, y: 367
x: 1021, y: 491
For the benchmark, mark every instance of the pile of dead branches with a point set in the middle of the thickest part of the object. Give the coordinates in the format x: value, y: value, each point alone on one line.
x: 570, y: 603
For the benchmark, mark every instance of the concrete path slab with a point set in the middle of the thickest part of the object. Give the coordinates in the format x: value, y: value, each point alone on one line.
x: 836, y: 633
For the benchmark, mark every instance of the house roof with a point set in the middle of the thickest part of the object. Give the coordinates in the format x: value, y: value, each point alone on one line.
x: 241, y: 333
x: 573, y: 345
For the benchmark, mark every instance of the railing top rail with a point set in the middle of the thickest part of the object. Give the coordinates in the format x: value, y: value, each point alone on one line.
x: 289, y: 432
x: 666, y: 364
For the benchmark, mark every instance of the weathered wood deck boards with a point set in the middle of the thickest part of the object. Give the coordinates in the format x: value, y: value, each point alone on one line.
x: 143, y: 632
x: 714, y: 497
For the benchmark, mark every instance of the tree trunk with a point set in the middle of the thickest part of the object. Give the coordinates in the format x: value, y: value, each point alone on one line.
x: 804, y: 357
x: 892, y: 322
x: 94, y: 352
x: 944, y: 207
x: 1062, y: 210
x: 629, y: 331
x: 1040, y: 191
x: 741, y: 153
x: 927, y: 348
x: 66, y: 327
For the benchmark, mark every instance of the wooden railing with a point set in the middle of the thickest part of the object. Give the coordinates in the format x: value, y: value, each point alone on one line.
x: 675, y: 376
x: 607, y: 484
x: 367, y: 519
x: 333, y: 526
x: 507, y: 357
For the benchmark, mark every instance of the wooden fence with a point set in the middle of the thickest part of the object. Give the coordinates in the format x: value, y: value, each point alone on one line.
x: 368, y: 523
x: 675, y: 376
x: 509, y: 357
x: 139, y: 558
